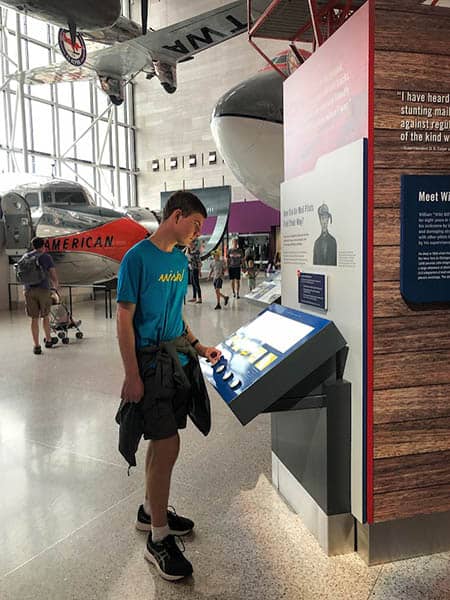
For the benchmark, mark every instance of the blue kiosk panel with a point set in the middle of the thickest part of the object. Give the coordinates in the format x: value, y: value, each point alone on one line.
x: 269, y: 356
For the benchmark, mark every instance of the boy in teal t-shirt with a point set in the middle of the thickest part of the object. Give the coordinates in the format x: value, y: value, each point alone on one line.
x: 152, y: 283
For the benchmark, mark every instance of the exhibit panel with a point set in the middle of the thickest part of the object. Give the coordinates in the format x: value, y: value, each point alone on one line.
x: 323, y: 204
x: 411, y: 402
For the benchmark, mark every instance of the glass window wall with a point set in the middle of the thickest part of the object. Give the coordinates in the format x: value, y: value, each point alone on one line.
x: 67, y: 129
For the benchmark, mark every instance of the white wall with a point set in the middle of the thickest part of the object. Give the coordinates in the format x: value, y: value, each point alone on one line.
x: 178, y: 124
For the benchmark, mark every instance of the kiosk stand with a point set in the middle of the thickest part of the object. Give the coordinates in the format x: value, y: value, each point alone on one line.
x: 291, y: 364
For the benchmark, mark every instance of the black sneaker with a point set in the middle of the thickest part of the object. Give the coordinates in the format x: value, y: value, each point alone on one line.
x: 167, y: 558
x: 51, y: 342
x: 238, y: 296
x: 217, y: 307
x: 37, y: 350
x: 177, y: 525
x: 226, y: 300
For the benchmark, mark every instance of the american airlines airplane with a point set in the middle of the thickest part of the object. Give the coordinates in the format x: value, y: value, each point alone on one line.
x: 87, y: 242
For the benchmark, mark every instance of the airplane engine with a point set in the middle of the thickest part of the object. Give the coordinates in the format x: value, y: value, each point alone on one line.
x: 167, y: 75
x: 113, y: 87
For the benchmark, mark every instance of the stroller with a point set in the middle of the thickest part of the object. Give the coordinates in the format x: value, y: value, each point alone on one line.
x: 61, y: 320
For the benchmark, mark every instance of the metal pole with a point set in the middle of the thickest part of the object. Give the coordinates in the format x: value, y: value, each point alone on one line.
x: 87, y: 184
x: 117, y: 156
x: 84, y: 132
x: 20, y: 96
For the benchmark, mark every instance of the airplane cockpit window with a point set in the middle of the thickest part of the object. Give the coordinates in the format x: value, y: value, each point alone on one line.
x: 32, y: 199
x: 72, y: 197
x: 47, y: 197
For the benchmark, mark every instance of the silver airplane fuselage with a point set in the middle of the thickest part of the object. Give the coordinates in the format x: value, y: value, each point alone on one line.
x: 86, y: 241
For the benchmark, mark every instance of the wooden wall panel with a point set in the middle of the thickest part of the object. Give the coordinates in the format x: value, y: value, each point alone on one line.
x: 389, y: 152
x: 409, y: 472
x: 387, y: 181
x: 411, y: 71
x: 386, y: 263
x: 386, y: 226
x: 411, y: 402
x: 409, y: 369
x: 409, y: 7
x: 412, y: 437
x: 418, y: 333
x: 411, y: 503
x: 396, y: 30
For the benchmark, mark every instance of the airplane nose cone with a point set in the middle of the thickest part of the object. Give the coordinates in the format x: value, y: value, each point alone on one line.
x: 247, y: 126
x: 260, y: 97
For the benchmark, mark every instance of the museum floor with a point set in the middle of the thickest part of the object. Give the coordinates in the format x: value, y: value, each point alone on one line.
x: 67, y: 506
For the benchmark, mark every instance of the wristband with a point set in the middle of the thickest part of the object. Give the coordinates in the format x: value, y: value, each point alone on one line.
x: 195, y: 342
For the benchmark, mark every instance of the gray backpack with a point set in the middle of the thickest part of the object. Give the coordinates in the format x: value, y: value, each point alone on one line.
x: 29, y: 270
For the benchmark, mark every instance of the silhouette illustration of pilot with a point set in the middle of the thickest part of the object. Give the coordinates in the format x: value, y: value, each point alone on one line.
x: 325, y: 248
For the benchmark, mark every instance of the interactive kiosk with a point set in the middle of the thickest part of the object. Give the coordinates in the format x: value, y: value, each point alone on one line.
x: 291, y: 364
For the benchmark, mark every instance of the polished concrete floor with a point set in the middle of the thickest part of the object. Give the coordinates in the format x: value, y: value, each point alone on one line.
x: 67, y: 506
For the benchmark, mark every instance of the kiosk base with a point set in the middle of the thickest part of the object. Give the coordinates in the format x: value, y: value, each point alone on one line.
x: 405, y: 538
x: 311, y: 463
x: 334, y: 533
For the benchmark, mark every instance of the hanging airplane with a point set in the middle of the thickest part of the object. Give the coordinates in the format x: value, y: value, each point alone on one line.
x: 157, y: 53
x: 247, y: 127
x: 87, y: 242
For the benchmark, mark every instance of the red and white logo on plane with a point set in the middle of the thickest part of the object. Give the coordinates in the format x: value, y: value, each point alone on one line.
x: 74, y: 53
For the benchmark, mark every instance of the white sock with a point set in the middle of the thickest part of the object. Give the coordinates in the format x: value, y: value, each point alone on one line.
x: 159, y: 533
x: 146, y: 505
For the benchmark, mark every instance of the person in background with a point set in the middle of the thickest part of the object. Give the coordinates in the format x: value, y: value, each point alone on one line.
x: 251, y: 274
x: 235, y: 258
x: 195, y: 267
x: 217, y: 273
x: 38, y: 297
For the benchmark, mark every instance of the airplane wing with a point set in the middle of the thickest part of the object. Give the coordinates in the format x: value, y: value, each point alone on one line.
x: 183, y: 40
x: 55, y: 73
x: 123, y: 30
x: 119, y: 61
x: 172, y: 44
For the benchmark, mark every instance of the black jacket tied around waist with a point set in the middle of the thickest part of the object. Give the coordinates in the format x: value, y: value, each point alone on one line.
x: 169, y: 378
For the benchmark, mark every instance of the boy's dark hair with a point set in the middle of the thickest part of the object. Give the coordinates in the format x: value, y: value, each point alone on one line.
x: 37, y: 243
x: 186, y: 202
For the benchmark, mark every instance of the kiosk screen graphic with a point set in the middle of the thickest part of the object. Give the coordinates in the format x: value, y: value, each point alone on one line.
x: 259, y: 350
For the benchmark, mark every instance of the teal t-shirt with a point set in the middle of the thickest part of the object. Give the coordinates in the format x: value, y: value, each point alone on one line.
x: 156, y: 282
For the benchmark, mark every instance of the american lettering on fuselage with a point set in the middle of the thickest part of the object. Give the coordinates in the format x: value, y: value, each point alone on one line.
x: 88, y: 241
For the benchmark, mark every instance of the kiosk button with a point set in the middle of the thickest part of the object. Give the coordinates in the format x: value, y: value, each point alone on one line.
x: 220, y: 368
x: 228, y: 376
x: 235, y: 384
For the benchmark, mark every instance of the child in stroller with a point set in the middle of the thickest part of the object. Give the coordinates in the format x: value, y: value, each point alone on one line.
x: 61, y: 319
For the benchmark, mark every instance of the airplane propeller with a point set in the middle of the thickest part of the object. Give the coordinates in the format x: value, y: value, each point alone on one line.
x: 144, y: 15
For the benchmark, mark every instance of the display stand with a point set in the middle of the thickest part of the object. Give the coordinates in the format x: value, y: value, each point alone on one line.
x: 291, y: 364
